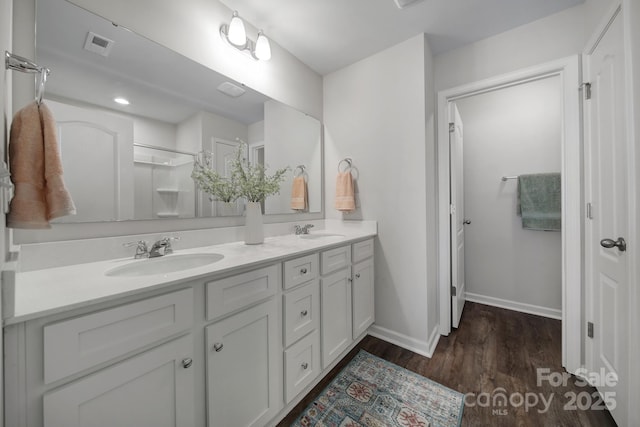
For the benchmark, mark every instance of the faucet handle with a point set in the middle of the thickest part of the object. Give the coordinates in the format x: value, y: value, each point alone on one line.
x: 167, y: 243
x: 142, y: 249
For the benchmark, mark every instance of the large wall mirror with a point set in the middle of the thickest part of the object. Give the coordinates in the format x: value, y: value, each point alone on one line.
x: 134, y: 162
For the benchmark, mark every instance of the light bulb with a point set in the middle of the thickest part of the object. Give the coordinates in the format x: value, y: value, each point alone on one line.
x: 237, y: 34
x: 263, y: 47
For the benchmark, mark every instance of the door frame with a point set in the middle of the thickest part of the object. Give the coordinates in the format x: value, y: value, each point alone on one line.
x: 568, y: 69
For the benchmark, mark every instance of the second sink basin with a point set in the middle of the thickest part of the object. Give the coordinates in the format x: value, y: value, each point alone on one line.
x: 314, y: 236
x: 163, y: 265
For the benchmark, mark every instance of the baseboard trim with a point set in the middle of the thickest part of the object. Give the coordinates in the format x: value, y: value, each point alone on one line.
x: 421, y: 347
x: 551, y: 313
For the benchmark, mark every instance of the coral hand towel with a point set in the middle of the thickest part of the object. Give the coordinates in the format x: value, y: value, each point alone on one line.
x: 36, y: 170
x: 299, y: 194
x: 345, y: 198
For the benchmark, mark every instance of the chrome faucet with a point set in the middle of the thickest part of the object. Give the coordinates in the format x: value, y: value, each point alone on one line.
x: 163, y: 244
x: 303, y: 229
x: 142, y: 250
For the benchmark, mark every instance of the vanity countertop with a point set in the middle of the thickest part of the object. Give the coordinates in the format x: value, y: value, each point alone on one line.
x: 53, y: 290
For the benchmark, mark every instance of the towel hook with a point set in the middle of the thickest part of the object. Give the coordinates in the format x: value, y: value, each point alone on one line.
x: 301, y: 168
x: 349, y: 163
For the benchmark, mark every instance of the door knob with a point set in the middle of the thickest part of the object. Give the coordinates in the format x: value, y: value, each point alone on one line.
x: 466, y: 221
x: 610, y: 243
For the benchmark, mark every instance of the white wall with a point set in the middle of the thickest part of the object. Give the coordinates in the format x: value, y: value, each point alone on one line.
x: 154, y: 132
x: 191, y: 28
x: 547, y: 39
x: 379, y: 112
x: 512, y: 131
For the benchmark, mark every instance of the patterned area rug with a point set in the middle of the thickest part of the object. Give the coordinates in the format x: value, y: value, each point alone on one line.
x: 371, y: 392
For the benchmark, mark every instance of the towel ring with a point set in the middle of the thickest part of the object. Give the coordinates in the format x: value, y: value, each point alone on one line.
x: 349, y: 163
x: 301, y: 169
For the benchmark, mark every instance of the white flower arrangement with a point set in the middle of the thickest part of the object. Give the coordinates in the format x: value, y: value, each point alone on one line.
x: 246, y: 180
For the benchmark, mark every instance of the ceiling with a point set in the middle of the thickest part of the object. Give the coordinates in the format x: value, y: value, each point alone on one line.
x: 329, y: 34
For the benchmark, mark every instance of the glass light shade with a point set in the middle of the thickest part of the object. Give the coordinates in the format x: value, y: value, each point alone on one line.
x: 263, y: 47
x: 237, y: 34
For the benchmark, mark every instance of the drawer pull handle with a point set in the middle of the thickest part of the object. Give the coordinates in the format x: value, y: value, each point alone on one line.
x: 187, y: 362
x: 303, y: 271
x: 305, y: 365
x: 357, y: 275
x: 218, y: 347
x: 304, y: 313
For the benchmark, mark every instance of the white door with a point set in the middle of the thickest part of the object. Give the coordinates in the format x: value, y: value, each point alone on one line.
x: 607, y: 186
x: 97, y: 156
x: 457, y: 215
x: 153, y: 389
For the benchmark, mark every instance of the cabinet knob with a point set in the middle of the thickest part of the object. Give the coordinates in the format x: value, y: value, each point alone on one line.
x: 304, y: 313
x: 187, y: 362
x: 303, y: 271
x: 218, y: 347
x: 357, y: 275
x: 349, y: 279
x: 305, y: 365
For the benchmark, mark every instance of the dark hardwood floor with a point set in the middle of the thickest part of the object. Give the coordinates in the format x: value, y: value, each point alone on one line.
x: 493, y: 348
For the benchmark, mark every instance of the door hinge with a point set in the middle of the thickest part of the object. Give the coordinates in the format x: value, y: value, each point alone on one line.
x: 452, y: 209
x: 586, y: 87
x: 590, y: 329
x: 589, y: 211
x: 452, y: 127
x: 454, y: 291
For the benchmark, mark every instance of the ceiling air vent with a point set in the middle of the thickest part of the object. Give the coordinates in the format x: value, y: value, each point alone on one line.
x: 404, y: 3
x: 230, y: 89
x: 98, y: 44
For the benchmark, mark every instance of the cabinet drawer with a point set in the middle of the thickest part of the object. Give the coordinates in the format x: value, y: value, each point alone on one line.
x: 300, y: 270
x: 335, y: 259
x: 77, y: 344
x: 301, y: 365
x: 232, y: 293
x: 301, y: 312
x: 362, y: 250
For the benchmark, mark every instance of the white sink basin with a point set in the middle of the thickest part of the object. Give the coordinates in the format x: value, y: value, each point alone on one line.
x: 163, y: 265
x: 313, y: 236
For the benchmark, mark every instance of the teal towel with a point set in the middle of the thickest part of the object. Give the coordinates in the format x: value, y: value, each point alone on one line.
x: 539, y: 201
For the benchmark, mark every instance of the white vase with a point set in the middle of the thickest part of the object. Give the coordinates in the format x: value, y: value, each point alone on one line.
x: 253, y: 228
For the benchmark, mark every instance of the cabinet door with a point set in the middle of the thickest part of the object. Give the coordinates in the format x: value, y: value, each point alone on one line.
x: 363, y: 297
x: 336, y: 315
x: 244, y: 381
x: 153, y: 389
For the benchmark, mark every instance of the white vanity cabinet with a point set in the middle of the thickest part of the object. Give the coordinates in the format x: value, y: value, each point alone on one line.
x: 126, y: 365
x: 244, y: 356
x: 234, y: 348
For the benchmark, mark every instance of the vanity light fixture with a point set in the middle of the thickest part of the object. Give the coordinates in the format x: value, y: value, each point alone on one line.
x: 236, y: 35
x: 122, y: 101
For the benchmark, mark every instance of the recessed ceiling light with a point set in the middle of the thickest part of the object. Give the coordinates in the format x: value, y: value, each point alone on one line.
x: 121, y: 101
x: 404, y: 3
x: 230, y: 89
